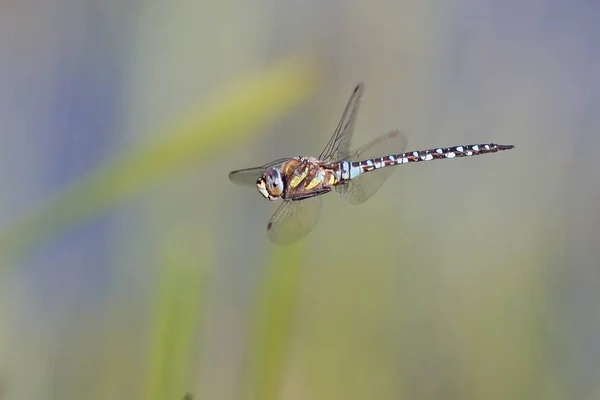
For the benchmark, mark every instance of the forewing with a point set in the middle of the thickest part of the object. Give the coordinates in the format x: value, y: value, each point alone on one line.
x: 248, y: 176
x: 360, y: 189
x: 338, y: 147
x: 293, y: 220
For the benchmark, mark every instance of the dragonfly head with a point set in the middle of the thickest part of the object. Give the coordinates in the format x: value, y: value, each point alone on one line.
x: 270, y: 185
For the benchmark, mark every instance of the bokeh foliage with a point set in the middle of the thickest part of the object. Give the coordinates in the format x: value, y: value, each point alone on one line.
x: 235, y: 114
x: 201, y: 134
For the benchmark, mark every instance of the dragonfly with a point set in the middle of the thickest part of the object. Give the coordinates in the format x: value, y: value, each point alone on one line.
x: 355, y: 174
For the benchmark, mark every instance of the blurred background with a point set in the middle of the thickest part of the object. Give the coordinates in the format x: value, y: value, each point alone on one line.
x: 131, y: 268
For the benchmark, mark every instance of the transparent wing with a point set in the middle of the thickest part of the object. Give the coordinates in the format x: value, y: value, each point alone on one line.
x: 338, y: 147
x: 293, y: 220
x: 360, y: 189
x: 248, y: 176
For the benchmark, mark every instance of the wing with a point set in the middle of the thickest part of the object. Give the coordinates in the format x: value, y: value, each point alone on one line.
x: 360, y: 189
x: 338, y: 147
x: 249, y: 176
x: 293, y: 220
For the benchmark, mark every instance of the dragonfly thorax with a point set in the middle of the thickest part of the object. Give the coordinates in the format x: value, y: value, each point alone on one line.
x: 270, y: 184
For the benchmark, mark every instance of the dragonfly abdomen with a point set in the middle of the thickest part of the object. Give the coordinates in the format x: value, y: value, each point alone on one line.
x: 450, y: 152
x: 351, y: 170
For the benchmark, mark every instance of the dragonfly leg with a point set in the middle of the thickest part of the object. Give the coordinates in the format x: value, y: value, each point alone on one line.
x: 304, y: 196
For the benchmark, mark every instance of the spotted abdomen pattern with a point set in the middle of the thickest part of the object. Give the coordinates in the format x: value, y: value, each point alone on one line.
x: 347, y: 170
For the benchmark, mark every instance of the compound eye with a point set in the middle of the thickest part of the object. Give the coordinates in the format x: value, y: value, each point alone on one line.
x: 274, y: 182
x: 270, y: 185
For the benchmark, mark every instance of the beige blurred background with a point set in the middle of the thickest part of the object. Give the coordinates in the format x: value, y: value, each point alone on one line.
x: 475, y: 278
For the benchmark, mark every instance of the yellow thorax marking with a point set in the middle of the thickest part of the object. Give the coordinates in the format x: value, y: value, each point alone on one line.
x: 299, y: 177
x: 331, y: 179
x: 318, y: 178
